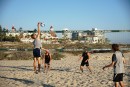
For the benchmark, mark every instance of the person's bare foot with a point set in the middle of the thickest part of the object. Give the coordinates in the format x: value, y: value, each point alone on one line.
x: 82, y: 70
x: 36, y: 72
x: 39, y: 71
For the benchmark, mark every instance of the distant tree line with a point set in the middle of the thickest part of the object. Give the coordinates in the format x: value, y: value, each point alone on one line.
x: 3, y: 36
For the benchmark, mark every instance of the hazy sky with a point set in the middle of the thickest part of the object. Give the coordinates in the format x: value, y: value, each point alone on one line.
x: 72, y: 14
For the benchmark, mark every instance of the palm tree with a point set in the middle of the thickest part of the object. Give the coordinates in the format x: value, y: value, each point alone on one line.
x: 4, y: 30
x: 1, y: 36
x: 35, y: 30
x: 3, y: 33
x: 0, y: 28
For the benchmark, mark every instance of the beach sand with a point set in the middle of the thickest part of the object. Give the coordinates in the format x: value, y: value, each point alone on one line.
x: 63, y: 73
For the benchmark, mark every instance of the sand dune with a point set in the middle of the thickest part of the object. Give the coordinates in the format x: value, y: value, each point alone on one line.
x: 64, y: 73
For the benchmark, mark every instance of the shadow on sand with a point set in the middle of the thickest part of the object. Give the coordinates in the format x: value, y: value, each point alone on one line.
x: 47, y: 85
x: 20, y: 68
x: 63, y: 69
x: 66, y: 70
x: 25, y: 81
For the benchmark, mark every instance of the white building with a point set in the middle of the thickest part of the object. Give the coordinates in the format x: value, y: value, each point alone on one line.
x: 93, y: 36
x: 66, y: 34
x: 12, y: 34
x: 99, y: 34
x: 26, y: 37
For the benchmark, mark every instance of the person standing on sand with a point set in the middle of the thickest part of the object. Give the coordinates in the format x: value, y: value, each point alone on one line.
x: 85, y: 57
x: 37, y: 48
x: 118, y: 65
x: 47, y: 59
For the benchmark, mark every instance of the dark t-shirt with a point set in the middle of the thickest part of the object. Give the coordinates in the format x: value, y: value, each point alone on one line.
x: 85, y: 56
x: 47, y: 58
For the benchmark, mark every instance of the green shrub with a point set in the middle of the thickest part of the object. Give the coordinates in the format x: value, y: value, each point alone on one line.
x: 57, y: 56
x: 15, y: 55
x: 1, y: 55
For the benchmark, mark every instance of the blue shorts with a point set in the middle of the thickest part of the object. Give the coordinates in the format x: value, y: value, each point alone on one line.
x: 36, y: 52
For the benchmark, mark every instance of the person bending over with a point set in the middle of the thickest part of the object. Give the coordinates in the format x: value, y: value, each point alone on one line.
x: 47, y: 61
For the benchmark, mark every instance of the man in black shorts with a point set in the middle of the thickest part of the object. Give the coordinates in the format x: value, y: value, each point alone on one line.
x: 118, y: 61
x: 37, y: 49
x: 85, y: 57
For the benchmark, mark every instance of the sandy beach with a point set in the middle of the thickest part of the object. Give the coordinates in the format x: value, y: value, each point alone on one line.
x: 63, y: 73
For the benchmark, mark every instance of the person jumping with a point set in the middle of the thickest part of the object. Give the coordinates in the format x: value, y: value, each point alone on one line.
x: 37, y: 48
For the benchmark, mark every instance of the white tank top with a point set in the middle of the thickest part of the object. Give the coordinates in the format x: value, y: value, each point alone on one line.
x: 119, y: 65
x: 37, y: 43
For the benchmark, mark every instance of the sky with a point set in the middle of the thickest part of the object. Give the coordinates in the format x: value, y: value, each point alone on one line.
x: 71, y: 14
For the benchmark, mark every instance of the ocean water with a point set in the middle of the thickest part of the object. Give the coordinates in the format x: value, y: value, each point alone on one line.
x: 118, y: 37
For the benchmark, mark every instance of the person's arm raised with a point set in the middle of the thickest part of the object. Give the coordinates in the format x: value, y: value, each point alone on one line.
x: 39, y: 32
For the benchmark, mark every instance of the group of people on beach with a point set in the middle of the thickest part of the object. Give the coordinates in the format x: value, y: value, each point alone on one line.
x: 117, y: 63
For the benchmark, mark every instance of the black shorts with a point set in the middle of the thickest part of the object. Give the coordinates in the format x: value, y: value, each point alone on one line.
x: 47, y: 64
x: 84, y: 63
x: 36, y: 52
x: 118, y: 77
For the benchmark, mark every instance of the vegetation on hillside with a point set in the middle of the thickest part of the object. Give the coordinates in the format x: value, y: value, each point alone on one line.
x: 10, y: 38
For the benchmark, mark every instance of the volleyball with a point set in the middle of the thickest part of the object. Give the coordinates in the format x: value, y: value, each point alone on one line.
x: 42, y: 24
